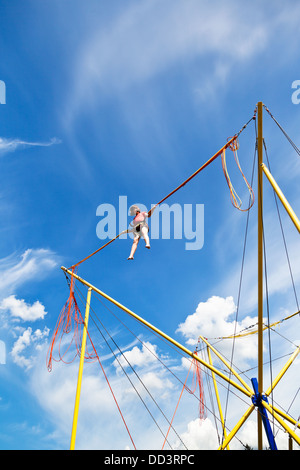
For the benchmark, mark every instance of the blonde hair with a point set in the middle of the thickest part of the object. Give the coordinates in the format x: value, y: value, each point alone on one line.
x: 133, y: 209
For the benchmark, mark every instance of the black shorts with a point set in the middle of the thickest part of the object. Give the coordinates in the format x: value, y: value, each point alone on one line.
x: 139, y: 226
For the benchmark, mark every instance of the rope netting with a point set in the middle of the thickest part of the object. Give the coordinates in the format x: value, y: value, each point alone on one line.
x: 68, y: 333
x: 65, y: 344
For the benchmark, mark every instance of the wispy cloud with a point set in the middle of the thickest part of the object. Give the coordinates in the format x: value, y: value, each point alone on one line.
x: 11, y: 145
x: 16, y: 269
x: 149, y: 38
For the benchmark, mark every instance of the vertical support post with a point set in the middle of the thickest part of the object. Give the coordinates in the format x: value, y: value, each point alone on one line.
x: 260, y: 262
x: 290, y: 443
x: 80, y: 371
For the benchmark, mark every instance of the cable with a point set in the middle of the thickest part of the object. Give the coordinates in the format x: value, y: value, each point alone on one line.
x: 297, y: 150
x: 282, y: 231
x: 166, y: 366
x: 140, y: 380
x: 144, y: 344
x: 231, y: 141
x: 209, y: 386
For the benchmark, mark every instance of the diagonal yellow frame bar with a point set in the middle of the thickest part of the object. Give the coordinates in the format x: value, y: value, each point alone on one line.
x: 160, y: 333
x: 283, y: 371
x: 237, y: 427
x: 282, y: 198
x: 285, y: 416
x: 227, y: 365
x: 280, y: 421
x: 218, y: 398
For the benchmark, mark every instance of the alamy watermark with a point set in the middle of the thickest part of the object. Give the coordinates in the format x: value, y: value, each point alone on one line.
x: 2, y: 352
x: 2, y: 101
x: 2, y: 92
x: 296, y: 93
x: 167, y: 222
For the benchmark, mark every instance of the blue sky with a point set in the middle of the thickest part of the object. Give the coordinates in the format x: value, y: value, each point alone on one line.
x: 109, y: 99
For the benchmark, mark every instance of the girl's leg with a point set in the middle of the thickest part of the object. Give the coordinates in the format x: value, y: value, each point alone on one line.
x: 134, y: 246
x: 144, y: 231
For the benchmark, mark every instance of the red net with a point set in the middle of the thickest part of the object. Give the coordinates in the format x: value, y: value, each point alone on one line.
x: 198, y: 382
x: 65, y: 343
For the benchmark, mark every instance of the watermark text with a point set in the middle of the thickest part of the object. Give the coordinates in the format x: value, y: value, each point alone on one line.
x: 2, y: 352
x: 296, y: 93
x: 167, y: 222
x: 2, y: 92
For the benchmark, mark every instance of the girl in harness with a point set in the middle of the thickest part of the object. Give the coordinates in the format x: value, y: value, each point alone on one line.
x: 140, y: 228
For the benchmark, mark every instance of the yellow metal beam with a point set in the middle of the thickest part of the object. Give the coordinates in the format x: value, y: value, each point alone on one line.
x: 288, y: 418
x: 236, y: 427
x: 80, y: 371
x: 227, y: 365
x: 159, y: 332
x: 280, y: 421
x: 282, y: 198
x: 218, y: 398
x: 283, y: 371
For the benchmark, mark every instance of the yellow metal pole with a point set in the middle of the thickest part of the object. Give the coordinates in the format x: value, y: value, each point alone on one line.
x: 280, y: 421
x: 288, y: 418
x: 237, y: 427
x: 78, y: 390
x: 275, y: 382
x: 282, y: 198
x: 218, y: 399
x: 159, y: 332
x: 260, y: 262
x: 283, y: 371
x: 227, y: 365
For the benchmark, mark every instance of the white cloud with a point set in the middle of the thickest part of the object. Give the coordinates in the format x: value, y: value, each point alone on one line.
x: 27, y: 339
x: 20, y: 309
x: 209, y: 320
x: 16, y: 270
x: 200, y: 435
x: 215, y: 318
x: 138, y: 357
x: 11, y: 145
